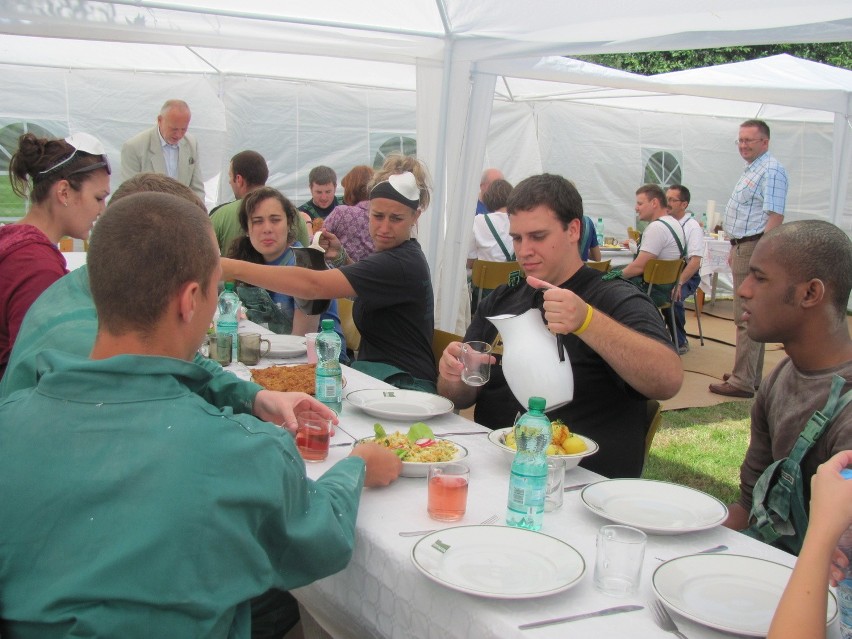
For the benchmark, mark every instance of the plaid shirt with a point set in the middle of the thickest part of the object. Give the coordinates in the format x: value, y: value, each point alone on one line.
x: 761, y: 189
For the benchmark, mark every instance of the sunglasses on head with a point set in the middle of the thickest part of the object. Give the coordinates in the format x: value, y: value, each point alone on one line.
x: 82, y: 143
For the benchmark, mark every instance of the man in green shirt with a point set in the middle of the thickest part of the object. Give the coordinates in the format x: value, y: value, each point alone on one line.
x: 134, y: 508
x: 322, y: 180
x: 247, y: 172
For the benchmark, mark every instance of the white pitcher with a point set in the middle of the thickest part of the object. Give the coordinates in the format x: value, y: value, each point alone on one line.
x: 531, y: 363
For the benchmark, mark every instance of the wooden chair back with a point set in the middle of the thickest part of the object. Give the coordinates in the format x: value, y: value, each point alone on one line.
x: 603, y: 265
x: 440, y: 339
x: 633, y: 234
x: 350, y: 331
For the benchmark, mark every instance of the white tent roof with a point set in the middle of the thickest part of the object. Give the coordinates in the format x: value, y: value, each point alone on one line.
x: 452, y: 53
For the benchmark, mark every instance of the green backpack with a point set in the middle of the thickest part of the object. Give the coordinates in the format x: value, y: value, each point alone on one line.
x: 779, y: 513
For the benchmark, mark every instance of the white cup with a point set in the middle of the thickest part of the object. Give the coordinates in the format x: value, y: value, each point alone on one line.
x: 618, y: 565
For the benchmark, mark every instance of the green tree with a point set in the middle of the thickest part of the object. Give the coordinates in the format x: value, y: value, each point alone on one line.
x: 838, y: 54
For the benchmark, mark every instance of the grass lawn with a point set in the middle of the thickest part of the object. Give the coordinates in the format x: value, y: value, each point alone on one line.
x: 702, y: 448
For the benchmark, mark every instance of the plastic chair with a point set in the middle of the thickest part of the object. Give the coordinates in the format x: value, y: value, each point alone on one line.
x: 603, y: 265
x: 489, y: 275
x: 654, y: 419
x: 350, y: 331
x: 633, y: 234
x: 662, y: 273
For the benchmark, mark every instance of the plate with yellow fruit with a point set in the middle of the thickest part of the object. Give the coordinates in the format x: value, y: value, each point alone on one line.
x: 565, y: 445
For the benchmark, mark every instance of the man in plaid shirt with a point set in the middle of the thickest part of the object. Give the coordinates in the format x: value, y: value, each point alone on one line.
x: 755, y: 207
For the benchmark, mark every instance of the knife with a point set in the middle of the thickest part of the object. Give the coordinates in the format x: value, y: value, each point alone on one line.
x: 569, y: 489
x: 587, y: 615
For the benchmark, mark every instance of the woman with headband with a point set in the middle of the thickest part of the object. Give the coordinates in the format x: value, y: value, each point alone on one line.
x: 67, y: 182
x: 394, y: 309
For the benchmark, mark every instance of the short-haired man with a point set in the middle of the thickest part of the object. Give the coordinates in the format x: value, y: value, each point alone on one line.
x: 247, y: 172
x: 663, y: 238
x: 145, y: 511
x: 166, y: 148
x: 322, y: 180
x: 678, y: 197
x: 488, y: 176
x: 614, y: 336
x: 755, y: 207
x: 796, y: 293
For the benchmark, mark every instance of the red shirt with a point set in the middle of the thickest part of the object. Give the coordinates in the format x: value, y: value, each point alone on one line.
x: 29, y: 263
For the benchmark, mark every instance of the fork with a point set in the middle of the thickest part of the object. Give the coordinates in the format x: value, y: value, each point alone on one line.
x: 664, y: 620
x: 419, y: 533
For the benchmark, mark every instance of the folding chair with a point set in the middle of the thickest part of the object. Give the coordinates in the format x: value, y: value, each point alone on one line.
x: 350, y: 331
x: 633, y: 234
x: 662, y: 273
x: 440, y: 339
x: 603, y: 265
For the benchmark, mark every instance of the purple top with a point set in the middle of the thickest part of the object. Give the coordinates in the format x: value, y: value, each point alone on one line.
x: 351, y: 225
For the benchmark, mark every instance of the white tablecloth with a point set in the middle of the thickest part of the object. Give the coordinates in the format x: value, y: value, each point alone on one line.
x: 715, y: 271
x: 382, y: 594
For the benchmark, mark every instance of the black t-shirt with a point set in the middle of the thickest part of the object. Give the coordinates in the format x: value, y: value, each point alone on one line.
x: 394, y: 310
x: 604, y: 407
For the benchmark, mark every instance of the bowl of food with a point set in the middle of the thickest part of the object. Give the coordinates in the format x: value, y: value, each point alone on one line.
x: 570, y: 447
x: 418, y: 449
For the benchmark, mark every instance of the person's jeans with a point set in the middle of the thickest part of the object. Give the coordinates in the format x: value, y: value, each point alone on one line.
x: 680, y: 312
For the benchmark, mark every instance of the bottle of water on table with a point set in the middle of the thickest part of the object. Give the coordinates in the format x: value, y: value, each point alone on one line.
x: 844, y: 588
x: 329, y: 378
x: 227, y: 322
x: 599, y: 231
x: 528, y: 480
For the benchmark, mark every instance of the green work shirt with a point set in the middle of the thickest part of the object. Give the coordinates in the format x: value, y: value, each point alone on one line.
x: 133, y: 508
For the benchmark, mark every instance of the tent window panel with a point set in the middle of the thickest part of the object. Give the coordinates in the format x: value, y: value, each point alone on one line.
x: 662, y: 167
x: 12, y: 207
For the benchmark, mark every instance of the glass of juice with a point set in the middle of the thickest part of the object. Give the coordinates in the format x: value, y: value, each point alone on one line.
x: 312, y: 436
x: 447, y: 491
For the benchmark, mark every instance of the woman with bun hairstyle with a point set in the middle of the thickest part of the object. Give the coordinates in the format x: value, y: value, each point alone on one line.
x: 67, y: 183
x: 394, y: 309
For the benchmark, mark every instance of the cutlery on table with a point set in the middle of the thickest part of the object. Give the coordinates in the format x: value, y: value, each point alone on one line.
x: 569, y: 489
x: 664, y: 620
x: 419, y: 533
x: 587, y: 615
x: 706, y: 551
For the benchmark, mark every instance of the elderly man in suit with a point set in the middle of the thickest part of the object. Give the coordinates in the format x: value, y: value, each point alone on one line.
x: 165, y: 148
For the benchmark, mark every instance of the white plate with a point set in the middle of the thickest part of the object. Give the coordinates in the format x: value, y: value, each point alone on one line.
x: 499, y: 562
x: 498, y: 438
x: 405, y: 405
x: 728, y: 592
x: 657, y: 507
x: 286, y: 345
x: 420, y: 469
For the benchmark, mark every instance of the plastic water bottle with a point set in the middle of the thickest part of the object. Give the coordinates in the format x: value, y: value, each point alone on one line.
x: 329, y: 384
x: 844, y: 588
x: 599, y: 231
x: 227, y: 322
x: 528, y: 481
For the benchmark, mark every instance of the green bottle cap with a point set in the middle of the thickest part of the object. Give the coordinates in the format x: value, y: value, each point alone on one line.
x: 229, y: 286
x: 327, y: 325
x: 537, y: 403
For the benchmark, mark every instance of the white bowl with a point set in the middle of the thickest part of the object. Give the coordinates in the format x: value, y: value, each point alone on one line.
x: 420, y: 469
x: 498, y: 438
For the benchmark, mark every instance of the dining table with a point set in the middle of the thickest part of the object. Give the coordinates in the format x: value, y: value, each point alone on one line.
x: 381, y: 593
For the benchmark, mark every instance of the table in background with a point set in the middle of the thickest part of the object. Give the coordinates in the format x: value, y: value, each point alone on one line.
x: 617, y: 257
x: 714, y: 263
x: 381, y: 594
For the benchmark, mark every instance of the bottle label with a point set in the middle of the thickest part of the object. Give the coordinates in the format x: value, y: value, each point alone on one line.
x: 328, y: 389
x: 844, y: 602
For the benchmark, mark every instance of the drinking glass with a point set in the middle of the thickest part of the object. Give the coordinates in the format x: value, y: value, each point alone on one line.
x: 476, y: 358
x: 447, y: 486
x: 618, y: 565
x: 312, y: 436
x: 250, y: 350
x: 219, y: 347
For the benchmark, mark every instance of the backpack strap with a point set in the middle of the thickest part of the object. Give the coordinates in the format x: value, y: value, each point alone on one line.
x: 509, y: 257
x: 778, y: 504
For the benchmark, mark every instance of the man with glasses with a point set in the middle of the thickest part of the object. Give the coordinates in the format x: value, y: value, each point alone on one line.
x: 755, y: 207
x: 677, y: 197
x: 165, y: 148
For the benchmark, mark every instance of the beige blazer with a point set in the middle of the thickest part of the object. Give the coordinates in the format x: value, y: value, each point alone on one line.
x: 143, y: 153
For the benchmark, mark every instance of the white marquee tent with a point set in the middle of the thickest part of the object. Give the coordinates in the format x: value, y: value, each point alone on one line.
x: 475, y: 83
